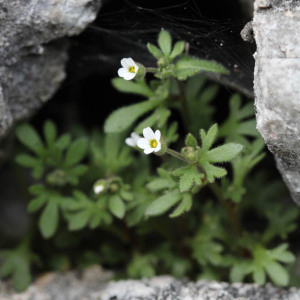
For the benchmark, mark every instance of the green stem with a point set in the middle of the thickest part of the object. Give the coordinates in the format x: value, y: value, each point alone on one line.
x: 176, y: 154
x: 151, y: 70
x: 215, y: 188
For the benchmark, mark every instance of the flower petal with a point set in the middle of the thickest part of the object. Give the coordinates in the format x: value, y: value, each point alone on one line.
x: 148, y: 151
x: 135, y: 136
x: 124, y: 63
x: 157, y: 135
x: 158, y: 147
x: 130, y: 142
x: 122, y: 72
x: 148, y: 133
x: 129, y: 76
x: 143, y: 143
x: 130, y: 62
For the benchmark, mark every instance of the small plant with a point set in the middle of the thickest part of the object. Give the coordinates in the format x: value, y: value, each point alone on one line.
x: 185, y: 218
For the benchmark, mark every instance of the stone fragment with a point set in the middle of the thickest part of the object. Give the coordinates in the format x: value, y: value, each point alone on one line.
x: 32, y: 59
x: 277, y: 85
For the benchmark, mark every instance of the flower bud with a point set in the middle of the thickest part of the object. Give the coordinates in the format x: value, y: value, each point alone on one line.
x: 162, y: 62
x: 100, y: 186
x: 190, y: 154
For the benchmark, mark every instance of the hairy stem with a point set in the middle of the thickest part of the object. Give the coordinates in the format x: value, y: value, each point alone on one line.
x: 176, y: 154
x: 215, y: 188
x: 151, y: 70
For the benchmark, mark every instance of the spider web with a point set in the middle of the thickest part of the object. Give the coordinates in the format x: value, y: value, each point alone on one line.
x: 123, y: 28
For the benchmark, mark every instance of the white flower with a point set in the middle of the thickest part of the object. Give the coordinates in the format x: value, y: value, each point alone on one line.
x: 129, y: 70
x: 99, y: 186
x: 132, y: 140
x: 98, y: 189
x: 150, y: 143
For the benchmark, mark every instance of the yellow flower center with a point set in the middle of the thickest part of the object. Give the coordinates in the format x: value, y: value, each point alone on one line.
x: 153, y: 143
x: 131, y: 69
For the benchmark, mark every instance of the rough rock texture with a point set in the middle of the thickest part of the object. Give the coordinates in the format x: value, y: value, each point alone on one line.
x: 276, y: 26
x: 55, y: 286
x: 31, y: 65
x: 166, y: 288
x: 92, y: 285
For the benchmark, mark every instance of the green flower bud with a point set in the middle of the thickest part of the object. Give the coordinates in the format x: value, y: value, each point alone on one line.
x: 190, y: 154
x: 162, y: 62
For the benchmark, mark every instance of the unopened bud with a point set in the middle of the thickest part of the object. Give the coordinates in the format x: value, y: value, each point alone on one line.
x: 190, y: 153
x: 162, y: 62
x: 100, y: 186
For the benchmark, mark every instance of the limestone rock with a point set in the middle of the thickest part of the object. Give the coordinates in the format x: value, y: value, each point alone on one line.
x: 31, y: 64
x: 93, y: 284
x: 276, y: 26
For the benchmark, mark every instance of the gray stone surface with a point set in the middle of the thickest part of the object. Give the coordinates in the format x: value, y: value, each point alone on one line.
x: 32, y: 59
x: 166, y: 288
x: 276, y: 26
x: 56, y: 286
x: 93, y: 284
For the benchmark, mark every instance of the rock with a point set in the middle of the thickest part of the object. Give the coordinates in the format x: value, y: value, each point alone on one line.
x: 167, y: 288
x: 32, y: 59
x: 93, y: 285
x: 57, y: 286
x: 277, y: 84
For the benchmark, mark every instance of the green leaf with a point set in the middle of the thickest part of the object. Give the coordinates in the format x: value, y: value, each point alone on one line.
x: 36, y: 203
x: 184, y: 206
x: 50, y: 132
x: 148, y: 122
x: 80, y: 219
x: 189, y: 177
x: 163, y: 203
x: 165, y: 42
x: 277, y: 273
x: 123, y: 118
x: 26, y: 160
x: 157, y: 185
x: 48, y: 221
x: 178, y: 49
x: 76, y: 152
x: 63, y: 142
x: 37, y: 189
x: 78, y: 170
x: 117, y: 206
x: 213, y: 172
x: 190, y: 141
x: 186, y: 67
x: 137, y: 87
x: 209, y: 138
x: 154, y: 51
x: 16, y: 263
x: 259, y: 275
x: 224, y: 153
x: 30, y: 138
